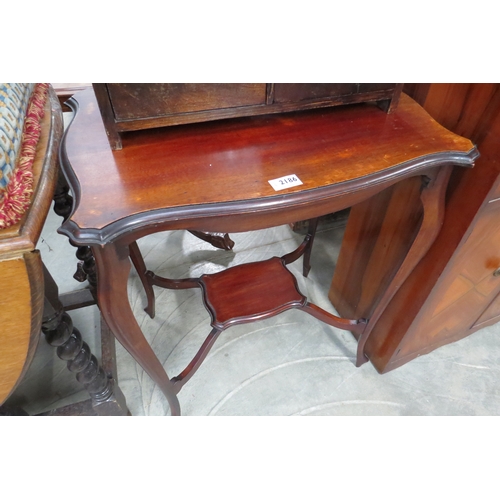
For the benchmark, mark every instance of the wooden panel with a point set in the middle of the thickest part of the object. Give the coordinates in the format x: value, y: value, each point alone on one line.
x: 495, y: 193
x: 21, y: 289
x: 491, y: 315
x: 459, y: 287
x: 445, y: 103
x: 385, y: 225
x: 136, y: 100
x: 296, y: 92
x: 374, y: 87
x: 466, y: 109
x: 470, y: 284
x: 292, y: 92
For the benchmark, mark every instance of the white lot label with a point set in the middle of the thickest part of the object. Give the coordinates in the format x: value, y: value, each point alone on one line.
x: 285, y: 182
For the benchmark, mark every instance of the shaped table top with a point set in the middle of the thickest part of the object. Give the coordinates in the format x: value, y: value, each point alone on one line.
x: 224, y: 167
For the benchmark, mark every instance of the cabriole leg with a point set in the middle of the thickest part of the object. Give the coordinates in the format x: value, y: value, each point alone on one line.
x: 433, y: 198
x: 113, y: 268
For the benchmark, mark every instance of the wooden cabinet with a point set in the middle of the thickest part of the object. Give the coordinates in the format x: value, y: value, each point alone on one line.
x: 463, y: 299
x: 133, y: 101
x: 490, y: 316
x: 136, y: 106
x: 472, y: 281
x: 454, y: 290
x: 297, y: 92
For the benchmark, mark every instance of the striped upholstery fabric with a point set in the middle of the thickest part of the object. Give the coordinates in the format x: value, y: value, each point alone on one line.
x: 21, y: 110
x: 14, y: 98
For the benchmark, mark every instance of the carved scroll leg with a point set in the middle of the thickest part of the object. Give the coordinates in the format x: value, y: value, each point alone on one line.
x: 432, y: 197
x: 140, y: 267
x: 113, y: 267
x: 218, y: 240
x: 106, y: 397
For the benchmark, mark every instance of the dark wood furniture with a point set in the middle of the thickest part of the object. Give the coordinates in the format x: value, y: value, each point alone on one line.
x: 455, y: 289
x: 31, y: 303
x: 137, y: 106
x: 343, y: 156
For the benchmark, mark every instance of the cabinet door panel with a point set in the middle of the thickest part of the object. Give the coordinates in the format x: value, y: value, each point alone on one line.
x: 373, y: 87
x: 469, y: 287
x: 474, y: 283
x: 490, y: 316
x: 293, y: 92
x: 138, y: 100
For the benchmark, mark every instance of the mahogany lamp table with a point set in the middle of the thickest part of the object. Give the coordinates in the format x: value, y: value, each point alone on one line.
x: 214, y: 177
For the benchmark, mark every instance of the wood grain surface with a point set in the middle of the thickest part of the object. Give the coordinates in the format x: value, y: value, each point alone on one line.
x: 21, y: 290
x: 231, y: 161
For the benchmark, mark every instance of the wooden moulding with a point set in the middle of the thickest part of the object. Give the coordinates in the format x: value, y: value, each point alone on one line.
x: 21, y: 288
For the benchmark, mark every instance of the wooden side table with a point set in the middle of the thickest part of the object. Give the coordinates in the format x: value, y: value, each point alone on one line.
x: 215, y: 177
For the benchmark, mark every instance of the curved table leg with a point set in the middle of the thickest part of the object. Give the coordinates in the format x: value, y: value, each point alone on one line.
x: 195, y: 363
x: 113, y: 268
x: 432, y: 197
x: 306, y: 264
x: 353, y: 325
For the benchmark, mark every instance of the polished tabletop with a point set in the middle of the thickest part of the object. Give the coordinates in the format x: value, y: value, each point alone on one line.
x: 186, y: 171
x: 215, y: 176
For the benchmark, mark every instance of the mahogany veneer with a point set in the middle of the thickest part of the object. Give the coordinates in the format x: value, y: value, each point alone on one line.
x: 215, y: 177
